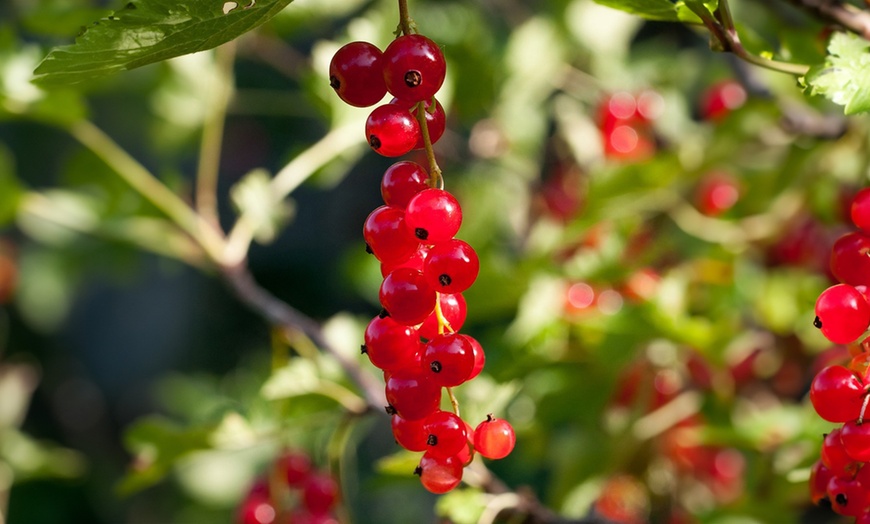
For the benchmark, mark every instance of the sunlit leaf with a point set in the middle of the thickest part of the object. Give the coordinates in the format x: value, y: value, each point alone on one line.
x: 254, y: 197
x: 844, y: 78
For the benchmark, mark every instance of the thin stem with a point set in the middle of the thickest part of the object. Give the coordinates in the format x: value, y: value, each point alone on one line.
x: 435, y: 177
x: 212, y: 137
x: 443, y: 323
x: 454, y: 403
x: 406, y: 23
x: 147, y: 185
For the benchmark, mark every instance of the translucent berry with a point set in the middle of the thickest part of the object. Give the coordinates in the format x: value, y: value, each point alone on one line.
x: 837, y: 394
x: 386, y: 235
x: 414, y: 261
x: 391, y: 346
x: 433, y: 215
x: 452, y: 266
x: 411, y: 394
x: 410, y: 434
x: 479, y: 358
x: 855, y: 440
x: 402, y: 181
x: 407, y: 296
x: 818, y: 484
x: 448, y: 359
x: 842, y: 313
x: 860, y: 210
x: 454, y: 311
x: 356, y: 72
x: 494, y: 438
x: 392, y: 131
x: 414, y: 68
x: 835, y: 457
x: 320, y: 493
x: 850, y: 259
x: 446, y: 434
x: 436, y: 119
x: 439, y: 475
x: 848, y: 497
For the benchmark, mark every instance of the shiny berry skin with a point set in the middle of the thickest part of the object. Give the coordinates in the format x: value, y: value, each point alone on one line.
x: 479, y: 358
x: 453, y: 309
x: 842, y: 313
x: 320, y: 493
x: 717, y: 192
x: 446, y: 434
x: 860, y: 209
x: 410, y: 434
x: 436, y: 119
x: 494, y: 438
x: 391, y: 346
x: 411, y: 394
x: 848, y: 497
x: 392, y: 131
x: 850, y: 259
x: 433, y: 215
x: 818, y: 484
x: 439, y: 475
x: 835, y: 457
x: 356, y: 72
x: 414, y: 261
x: 452, y: 266
x: 720, y: 99
x: 837, y: 394
x: 414, y: 68
x: 855, y: 439
x: 448, y: 359
x: 407, y: 296
x: 295, y: 467
x: 401, y: 181
x: 386, y: 235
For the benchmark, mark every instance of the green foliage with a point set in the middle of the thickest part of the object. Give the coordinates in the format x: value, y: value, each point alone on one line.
x: 844, y: 78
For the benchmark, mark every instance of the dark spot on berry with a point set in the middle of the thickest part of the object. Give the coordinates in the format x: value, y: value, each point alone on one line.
x: 444, y: 279
x: 841, y: 499
x: 390, y: 410
x: 375, y: 142
x: 435, y: 367
x: 421, y: 233
x: 334, y: 82
x: 413, y: 78
x: 418, y: 471
x: 432, y: 440
x: 818, y: 323
x: 383, y: 314
x: 363, y: 349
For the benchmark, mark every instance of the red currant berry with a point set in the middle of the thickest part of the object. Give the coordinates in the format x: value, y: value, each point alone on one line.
x: 410, y: 433
x: 721, y: 99
x: 390, y: 345
x: 860, y: 210
x: 387, y: 236
x: 356, y: 72
x: 415, y: 261
x: 411, y: 394
x: 446, y: 434
x: 257, y: 510
x: 439, y: 475
x: 433, y: 215
x: 320, y: 493
x: 717, y: 193
x: 842, y: 313
x: 494, y: 438
x: 850, y: 259
x: 479, y: 358
x: 407, y: 296
x: 454, y: 311
x: 402, y: 181
x: 848, y: 497
x: 414, y: 68
x: 819, y: 477
x: 837, y: 394
x: 295, y: 466
x: 452, y: 266
x: 392, y: 131
x: 855, y: 440
x: 835, y: 456
x: 436, y: 119
x: 448, y: 359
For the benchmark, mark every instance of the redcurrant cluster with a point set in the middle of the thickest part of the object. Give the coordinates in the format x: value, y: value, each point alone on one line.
x: 625, y: 122
x: 415, y: 340
x: 842, y: 310
x: 293, y: 492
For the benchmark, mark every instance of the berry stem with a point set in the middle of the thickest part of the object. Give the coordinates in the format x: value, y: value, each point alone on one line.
x: 453, y: 401
x: 435, y: 178
x: 863, y: 409
x: 443, y: 323
x: 407, y: 26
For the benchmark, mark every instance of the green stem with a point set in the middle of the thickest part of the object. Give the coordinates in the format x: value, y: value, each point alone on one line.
x: 435, y: 178
x: 147, y: 185
x: 212, y: 137
x: 406, y: 23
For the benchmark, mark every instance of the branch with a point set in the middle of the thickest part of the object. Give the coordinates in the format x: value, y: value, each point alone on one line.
x: 848, y: 16
x: 279, y: 313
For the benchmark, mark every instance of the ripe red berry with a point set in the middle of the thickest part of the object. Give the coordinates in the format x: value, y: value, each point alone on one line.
x: 386, y: 235
x: 295, y: 466
x: 410, y: 433
x: 721, y: 99
x: 848, y: 497
x: 835, y: 457
x: 453, y: 309
x: 837, y: 394
x: 407, y: 296
x: 818, y: 484
x: 320, y: 493
x: 452, y: 266
x: 356, y: 72
x: 842, y: 313
x: 860, y: 210
x: 436, y: 119
x: 391, y: 346
x: 257, y: 509
x: 850, y: 259
x: 479, y: 358
x: 414, y: 68
x: 855, y: 440
x: 448, y: 359
x: 433, y: 215
x: 439, y: 475
x: 414, y: 261
x: 494, y: 438
x: 446, y: 434
x: 392, y: 131
x: 402, y: 181
x: 411, y: 394
x: 717, y: 192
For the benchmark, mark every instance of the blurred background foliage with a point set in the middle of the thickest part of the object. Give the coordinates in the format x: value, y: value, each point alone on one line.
x: 646, y: 348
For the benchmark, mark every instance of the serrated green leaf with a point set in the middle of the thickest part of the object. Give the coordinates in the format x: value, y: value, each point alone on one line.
x: 844, y: 78
x: 299, y: 377
x: 254, y: 198
x: 662, y: 10
x: 148, y: 31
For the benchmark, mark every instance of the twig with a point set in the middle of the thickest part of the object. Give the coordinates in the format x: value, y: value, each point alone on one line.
x: 848, y: 16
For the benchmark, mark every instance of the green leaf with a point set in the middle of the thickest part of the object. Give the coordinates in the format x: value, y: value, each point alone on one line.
x: 844, y: 78
x: 148, y: 31
x: 660, y: 10
x: 254, y: 198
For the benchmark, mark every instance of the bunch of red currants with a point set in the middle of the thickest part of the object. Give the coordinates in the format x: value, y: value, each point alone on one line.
x: 415, y: 340
x: 838, y: 393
